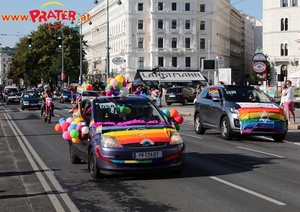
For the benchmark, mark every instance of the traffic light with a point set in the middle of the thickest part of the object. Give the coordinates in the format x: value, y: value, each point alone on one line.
x: 29, y: 42
x: 60, y: 42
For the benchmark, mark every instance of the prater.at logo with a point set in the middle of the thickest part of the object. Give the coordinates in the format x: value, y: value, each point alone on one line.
x: 39, y: 15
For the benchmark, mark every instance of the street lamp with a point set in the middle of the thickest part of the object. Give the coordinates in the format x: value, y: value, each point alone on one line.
x: 107, y: 37
x: 80, y: 43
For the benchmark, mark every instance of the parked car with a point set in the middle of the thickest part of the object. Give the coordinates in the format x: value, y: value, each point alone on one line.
x: 90, y: 94
x: 239, y: 110
x: 30, y: 99
x: 180, y: 94
x: 66, y: 96
x: 11, y: 95
x: 128, y: 135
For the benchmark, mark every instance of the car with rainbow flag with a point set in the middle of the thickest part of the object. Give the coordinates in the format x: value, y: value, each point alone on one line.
x: 239, y: 110
x: 124, y: 134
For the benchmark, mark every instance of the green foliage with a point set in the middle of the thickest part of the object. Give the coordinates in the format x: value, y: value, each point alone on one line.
x: 44, y: 58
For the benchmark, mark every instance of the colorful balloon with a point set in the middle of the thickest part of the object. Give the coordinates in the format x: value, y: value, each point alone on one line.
x: 124, y: 91
x: 74, y: 133
x: 119, y: 78
x: 72, y: 127
x: 123, y: 109
x: 79, y: 127
x: 166, y: 112
x: 116, y: 92
x: 75, y: 140
x: 127, y: 110
x: 173, y: 113
x: 61, y: 120
x: 108, y: 80
x: 119, y: 85
x: 109, y: 92
x: 113, y: 82
x: 70, y: 120
x: 58, y: 128
x: 178, y: 119
x: 124, y: 83
x: 66, y: 135
x: 65, y: 125
x: 177, y: 127
x: 85, y: 130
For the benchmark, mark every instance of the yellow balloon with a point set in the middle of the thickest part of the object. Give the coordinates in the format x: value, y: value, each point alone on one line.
x: 127, y: 110
x: 75, y: 140
x: 76, y: 120
x: 119, y: 78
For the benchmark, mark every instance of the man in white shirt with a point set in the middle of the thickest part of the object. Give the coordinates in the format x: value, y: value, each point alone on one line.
x: 289, y: 100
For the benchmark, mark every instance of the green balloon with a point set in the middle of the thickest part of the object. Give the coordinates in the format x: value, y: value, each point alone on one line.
x: 123, y: 109
x: 119, y: 85
x: 74, y: 133
x: 177, y: 127
x: 109, y: 86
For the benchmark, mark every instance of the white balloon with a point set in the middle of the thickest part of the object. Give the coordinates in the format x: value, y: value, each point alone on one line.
x: 85, y: 130
x: 124, y: 91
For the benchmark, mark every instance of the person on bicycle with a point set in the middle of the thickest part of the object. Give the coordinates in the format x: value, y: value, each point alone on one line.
x: 46, y: 94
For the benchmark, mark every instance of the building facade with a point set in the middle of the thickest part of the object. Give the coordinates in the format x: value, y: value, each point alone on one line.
x: 5, y: 60
x: 174, y: 35
x: 281, y: 25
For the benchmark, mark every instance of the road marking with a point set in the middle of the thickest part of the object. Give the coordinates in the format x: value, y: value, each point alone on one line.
x: 248, y: 191
x: 50, y: 193
x: 265, y: 153
x: 193, y: 136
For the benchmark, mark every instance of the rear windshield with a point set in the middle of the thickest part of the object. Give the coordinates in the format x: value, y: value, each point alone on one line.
x: 173, y: 90
x: 246, y: 94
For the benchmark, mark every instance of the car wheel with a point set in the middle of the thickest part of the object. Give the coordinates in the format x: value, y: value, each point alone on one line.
x: 93, y: 167
x: 278, y: 138
x: 225, y: 129
x: 169, y: 104
x: 7, y: 102
x: 185, y: 101
x: 73, y: 157
x: 199, y: 129
x: 22, y: 107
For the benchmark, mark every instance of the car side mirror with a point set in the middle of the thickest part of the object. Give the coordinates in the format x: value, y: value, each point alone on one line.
x: 216, y: 99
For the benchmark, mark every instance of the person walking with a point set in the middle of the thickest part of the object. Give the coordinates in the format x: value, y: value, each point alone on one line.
x: 283, y: 97
x: 160, y: 93
x: 289, y: 101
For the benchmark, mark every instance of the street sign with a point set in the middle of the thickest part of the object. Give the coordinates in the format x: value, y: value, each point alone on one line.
x: 259, y: 67
x: 118, y: 60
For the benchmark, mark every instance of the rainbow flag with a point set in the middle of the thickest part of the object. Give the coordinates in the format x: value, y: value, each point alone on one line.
x: 98, y: 129
x: 80, y: 89
x: 213, y: 92
x: 261, y: 117
x: 92, y: 122
x: 75, y: 113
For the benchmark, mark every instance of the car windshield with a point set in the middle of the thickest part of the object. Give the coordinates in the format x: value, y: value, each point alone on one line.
x: 246, y: 94
x: 30, y: 94
x: 12, y: 90
x: 90, y: 93
x: 127, y: 112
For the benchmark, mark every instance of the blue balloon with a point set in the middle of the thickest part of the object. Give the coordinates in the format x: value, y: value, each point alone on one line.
x: 116, y: 92
x: 72, y: 127
x: 166, y: 112
x: 61, y: 120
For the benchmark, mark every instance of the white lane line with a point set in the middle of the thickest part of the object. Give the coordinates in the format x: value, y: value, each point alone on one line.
x: 265, y: 153
x: 193, y: 136
x: 248, y: 191
x: 44, y: 168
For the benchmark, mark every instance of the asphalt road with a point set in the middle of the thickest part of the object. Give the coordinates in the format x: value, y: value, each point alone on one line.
x: 249, y: 174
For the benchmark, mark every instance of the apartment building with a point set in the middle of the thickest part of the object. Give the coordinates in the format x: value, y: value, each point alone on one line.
x: 281, y: 25
x: 174, y: 35
x: 5, y: 60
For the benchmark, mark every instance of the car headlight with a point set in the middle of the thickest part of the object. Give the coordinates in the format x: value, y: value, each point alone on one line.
x: 233, y: 110
x: 26, y: 102
x: 175, y: 138
x: 65, y: 97
x: 111, y: 142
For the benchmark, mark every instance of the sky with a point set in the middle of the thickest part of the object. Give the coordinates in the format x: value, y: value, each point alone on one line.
x: 12, y: 31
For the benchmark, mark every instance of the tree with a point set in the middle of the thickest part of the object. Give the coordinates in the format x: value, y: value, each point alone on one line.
x: 44, y: 59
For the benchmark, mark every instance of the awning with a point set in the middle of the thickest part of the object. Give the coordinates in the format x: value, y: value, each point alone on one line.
x: 172, y: 75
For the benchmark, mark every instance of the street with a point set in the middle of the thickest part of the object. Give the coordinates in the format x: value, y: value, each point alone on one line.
x: 245, y: 174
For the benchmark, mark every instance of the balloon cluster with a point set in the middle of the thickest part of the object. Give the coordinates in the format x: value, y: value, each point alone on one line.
x: 73, y: 129
x: 173, y: 114
x: 87, y: 86
x: 116, y: 86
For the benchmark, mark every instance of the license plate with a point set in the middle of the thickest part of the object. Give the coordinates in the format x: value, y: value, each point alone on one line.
x: 172, y: 95
x: 147, y: 155
x: 16, y: 100
x: 33, y: 104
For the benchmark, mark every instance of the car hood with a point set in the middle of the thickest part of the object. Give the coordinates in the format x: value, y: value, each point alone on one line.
x: 31, y: 98
x: 261, y: 116
x: 141, y: 134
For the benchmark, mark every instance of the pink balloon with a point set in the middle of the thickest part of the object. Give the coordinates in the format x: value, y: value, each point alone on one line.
x: 70, y: 120
x: 124, y: 83
x: 79, y: 126
x: 65, y: 125
x: 114, y: 82
x: 66, y: 135
x: 109, y: 92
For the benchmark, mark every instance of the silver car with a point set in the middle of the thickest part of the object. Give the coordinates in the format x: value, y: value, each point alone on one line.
x: 239, y: 110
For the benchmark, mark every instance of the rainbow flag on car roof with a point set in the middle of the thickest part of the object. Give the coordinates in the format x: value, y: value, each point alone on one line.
x: 80, y: 89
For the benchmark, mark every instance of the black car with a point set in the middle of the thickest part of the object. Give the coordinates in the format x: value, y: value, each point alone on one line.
x: 11, y: 95
x: 180, y: 94
x: 30, y: 99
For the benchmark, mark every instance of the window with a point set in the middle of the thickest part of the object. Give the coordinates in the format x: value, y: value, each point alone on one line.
x: 281, y: 49
x: 174, y: 61
x: 202, y: 8
x: 187, y: 6
x: 141, y: 62
x: 174, y: 43
x: 284, y: 3
x: 187, y: 24
x: 160, y: 24
x: 286, y: 50
x: 286, y: 23
x: 140, y: 24
x: 174, y: 24
x: 202, y: 43
x: 140, y: 6
x: 202, y: 25
x: 141, y: 43
x: 282, y: 24
x: 160, y: 43
x: 294, y: 3
x: 160, y: 6
x: 174, y: 6
x: 187, y: 43
x: 188, y: 62
x: 161, y: 61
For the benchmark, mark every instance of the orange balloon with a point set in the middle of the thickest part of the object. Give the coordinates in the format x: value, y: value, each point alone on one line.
x: 109, y: 79
x: 58, y: 128
x: 173, y: 113
x: 75, y: 140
